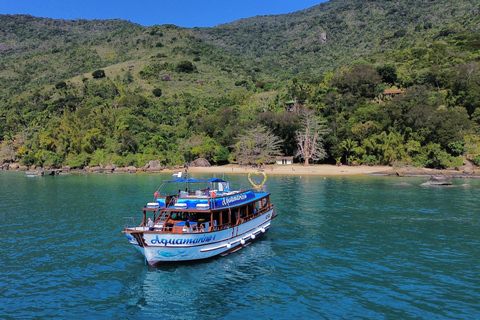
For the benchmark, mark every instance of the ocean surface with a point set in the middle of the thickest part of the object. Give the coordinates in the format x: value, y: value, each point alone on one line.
x: 340, y: 248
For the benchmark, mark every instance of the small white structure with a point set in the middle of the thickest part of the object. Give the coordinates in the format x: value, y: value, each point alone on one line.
x: 284, y: 160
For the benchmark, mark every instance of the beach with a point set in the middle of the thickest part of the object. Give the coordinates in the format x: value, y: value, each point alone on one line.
x: 296, y: 169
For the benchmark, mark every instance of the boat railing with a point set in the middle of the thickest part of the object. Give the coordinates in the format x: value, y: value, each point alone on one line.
x: 172, y: 201
x: 257, y: 214
x: 129, y: 222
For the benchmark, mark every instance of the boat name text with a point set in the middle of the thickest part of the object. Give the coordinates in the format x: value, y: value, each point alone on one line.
x: 226, y: 201
x: 182, y: 240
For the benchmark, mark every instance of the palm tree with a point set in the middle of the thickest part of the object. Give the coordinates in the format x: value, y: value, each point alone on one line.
x: 349, y: 145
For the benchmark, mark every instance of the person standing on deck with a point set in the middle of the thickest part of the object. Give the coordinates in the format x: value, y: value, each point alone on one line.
x: 150, y: 224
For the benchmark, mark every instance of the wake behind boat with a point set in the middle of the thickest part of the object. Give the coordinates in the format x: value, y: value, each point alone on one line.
x: 205, y: 220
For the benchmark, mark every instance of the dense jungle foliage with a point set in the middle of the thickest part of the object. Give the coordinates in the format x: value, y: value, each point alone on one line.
x: 395, y: 82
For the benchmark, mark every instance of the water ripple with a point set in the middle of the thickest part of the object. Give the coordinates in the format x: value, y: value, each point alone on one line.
x: 363, y: 248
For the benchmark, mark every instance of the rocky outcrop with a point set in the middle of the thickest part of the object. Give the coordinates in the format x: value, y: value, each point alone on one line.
x: 153, y: 166
x: 13, y: 166
x: 437, y: 181
x: 200, y: 162
x: 131, y: 169
x: 453, y: 173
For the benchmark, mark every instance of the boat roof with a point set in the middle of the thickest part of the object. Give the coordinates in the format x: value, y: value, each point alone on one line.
x: 233, y: 199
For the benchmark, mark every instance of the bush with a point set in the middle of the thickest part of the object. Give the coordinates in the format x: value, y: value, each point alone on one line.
x: 370, y: 160
x: 476, y: 160
x: 185, y: 66
x: 61, y: 85
x: 157, y: 92
x: 261, y: 84
x: 98, y: 74
x: 239, y: 83
x: 78, y: 160
x: 440, y: 159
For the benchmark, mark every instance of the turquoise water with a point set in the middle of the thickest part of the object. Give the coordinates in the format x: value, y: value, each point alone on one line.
x: 341, y: 248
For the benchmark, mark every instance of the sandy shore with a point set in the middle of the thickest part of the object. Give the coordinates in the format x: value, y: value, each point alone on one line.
x: 332, y: 170
x: 317, y: 170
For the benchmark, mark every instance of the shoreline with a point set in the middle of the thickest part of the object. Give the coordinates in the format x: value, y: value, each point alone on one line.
x: 333, y: 170
x: 323, y: 170
x: 295, y: 169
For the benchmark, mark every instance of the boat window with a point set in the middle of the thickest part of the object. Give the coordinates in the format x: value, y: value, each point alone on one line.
x: 264, y: 203
x: 243, y: 212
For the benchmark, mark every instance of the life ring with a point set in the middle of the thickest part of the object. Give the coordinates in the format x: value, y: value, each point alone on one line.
x: 213, y: 194
x: 257, y: 173
x: 156, y: 194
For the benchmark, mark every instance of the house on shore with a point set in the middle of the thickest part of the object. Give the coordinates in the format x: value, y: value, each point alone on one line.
x: 284, y: 160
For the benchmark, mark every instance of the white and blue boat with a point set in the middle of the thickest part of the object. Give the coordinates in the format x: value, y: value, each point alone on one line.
x: 203, y: 220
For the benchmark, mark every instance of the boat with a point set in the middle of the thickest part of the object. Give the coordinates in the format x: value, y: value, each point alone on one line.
x: 204, y: 220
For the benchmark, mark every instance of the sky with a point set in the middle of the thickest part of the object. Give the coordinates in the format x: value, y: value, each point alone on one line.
x: 182, y: 13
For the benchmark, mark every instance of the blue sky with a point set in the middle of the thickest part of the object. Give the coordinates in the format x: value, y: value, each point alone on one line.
x: 183, y: 13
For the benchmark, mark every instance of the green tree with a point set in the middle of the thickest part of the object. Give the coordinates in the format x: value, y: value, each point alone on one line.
x: 185, y: 66
x: 157, y: 92
x: 349, y: 146
x: 98, y: 74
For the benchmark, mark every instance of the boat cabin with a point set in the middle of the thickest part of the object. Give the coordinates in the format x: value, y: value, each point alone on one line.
x: 205, y: 211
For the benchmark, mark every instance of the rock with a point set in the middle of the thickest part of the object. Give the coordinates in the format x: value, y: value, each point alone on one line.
x: 200, y: 162
x: 403, y: 184
x: 437, y: 181
x: 153, y: 169
x: 153, y: 164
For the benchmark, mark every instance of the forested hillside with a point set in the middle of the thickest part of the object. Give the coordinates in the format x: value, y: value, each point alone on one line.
x: 332, y: 34
x: 389, y: 82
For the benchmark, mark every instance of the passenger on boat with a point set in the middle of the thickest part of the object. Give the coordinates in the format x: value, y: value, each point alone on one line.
x: 150, y: 224
x: 187, y: 226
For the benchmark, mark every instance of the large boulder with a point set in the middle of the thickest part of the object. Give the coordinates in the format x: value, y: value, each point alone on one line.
x: 94, y: 169
x: 14, y: 166
x: 153, y: 166
x: 200, y: 162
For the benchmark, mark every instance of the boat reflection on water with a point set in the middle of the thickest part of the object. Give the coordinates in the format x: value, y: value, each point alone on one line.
x: 199, y: 288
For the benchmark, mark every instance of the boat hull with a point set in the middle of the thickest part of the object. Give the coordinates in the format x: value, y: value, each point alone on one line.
x: 160, y: 247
